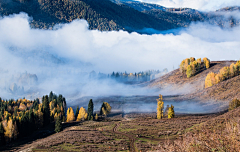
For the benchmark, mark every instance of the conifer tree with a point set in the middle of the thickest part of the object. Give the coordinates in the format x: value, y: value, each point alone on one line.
x: 171, y: 112
x: 46, y: 111
x: 58, y: 125
x: 160, y: 106
x: 90, y: 110
x: 77, y: 112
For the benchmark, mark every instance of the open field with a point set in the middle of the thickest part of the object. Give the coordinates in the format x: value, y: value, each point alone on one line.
x: 133, y: 132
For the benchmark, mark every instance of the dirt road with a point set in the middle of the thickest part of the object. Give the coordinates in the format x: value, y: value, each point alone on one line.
x: 131, y: 138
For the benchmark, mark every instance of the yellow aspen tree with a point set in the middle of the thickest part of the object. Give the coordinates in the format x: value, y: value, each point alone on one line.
x: 105, y: 109
x: 108, y: 107
x: 182, y: 70
x: 210, y: 80
x: 207, y: 64
x: 22, y: 107
x: 194, y: 68
x: 224, y: 73
x: 189, y: 71
x: 171, y: 112
x: 70, y: 115
x: 217, y: 79
x: 199, y: 60
x: 187, y: 62
x: 192, y: 59
x: 233, y: 70
x: 9, y: 130
x: 96, y: 117
x: 160, y: 106
x: 238, y: 67
x: 85, y: 116
x: 104, y: 112
x: 81, y: 114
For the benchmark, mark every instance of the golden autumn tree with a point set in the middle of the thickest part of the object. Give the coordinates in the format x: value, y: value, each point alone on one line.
x: 171, y: 112
x: 224, y: 73
x: 10, y: 128
x: 96, y: 117
x: 187, y: 62
x: 206, y: 62
x: 192, y: 59
x: 238, y: 67
x: 233, y: 70
x: 217, y: 78
x: 70, y: 115
x: 189, y: 71
x: 182, y: 65
x: 105, y: 109
x: 82, y: 115
x: 210, y: 80
x: 160, y: 106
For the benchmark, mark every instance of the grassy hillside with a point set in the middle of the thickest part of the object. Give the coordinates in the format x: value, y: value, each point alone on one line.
x: 220, y: 133
x: 177, y: 83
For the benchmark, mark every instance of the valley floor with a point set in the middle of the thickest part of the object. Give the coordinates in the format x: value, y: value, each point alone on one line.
x: 133, y: 132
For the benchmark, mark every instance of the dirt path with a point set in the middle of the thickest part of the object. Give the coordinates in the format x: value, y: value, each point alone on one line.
x: 131, y: 137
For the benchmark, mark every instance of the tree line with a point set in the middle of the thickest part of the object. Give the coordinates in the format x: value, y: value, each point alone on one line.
x: 19, y: 118
x: 191, y: 66
x: 223, y: 74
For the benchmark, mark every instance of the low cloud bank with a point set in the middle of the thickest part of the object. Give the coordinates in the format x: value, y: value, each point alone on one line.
x: 63, y: 58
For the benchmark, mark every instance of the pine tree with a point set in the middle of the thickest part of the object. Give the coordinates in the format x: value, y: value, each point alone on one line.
x: 171, y: 113
x: 90, y: 109
x: 50, y: 96
x: 46, y: 111
x: 160, y: 106
x: 77, y: 112
x: 58, y: 125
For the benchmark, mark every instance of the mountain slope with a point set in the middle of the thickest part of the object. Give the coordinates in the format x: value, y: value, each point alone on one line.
x: 193, y: 88
x: 103, y: 15
x: 184, y: 16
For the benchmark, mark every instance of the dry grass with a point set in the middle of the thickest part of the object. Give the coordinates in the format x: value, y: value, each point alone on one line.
x: 218, y: 134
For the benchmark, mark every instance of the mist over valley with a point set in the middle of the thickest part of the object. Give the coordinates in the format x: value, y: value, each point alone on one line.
x: 119, y: 75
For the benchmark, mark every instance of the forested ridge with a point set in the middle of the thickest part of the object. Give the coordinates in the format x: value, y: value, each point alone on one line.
x: 103, y: 15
